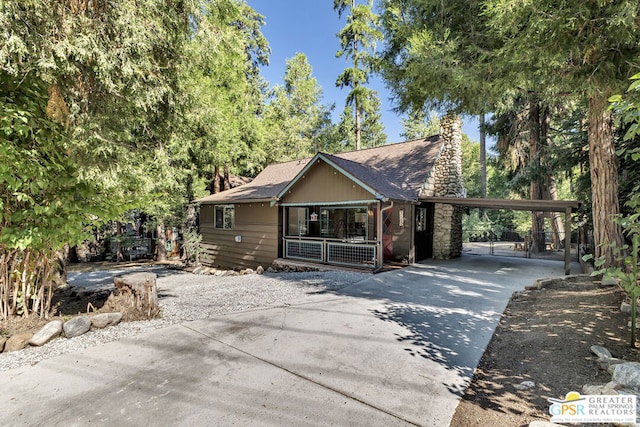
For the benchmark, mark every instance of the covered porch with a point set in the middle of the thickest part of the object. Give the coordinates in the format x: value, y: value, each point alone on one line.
x: 344, y: 234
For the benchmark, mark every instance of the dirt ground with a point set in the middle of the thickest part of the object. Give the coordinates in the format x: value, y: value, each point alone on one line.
x: 545, y: 336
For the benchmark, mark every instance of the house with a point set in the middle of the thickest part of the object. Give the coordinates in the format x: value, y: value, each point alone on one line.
x: 358, y: 208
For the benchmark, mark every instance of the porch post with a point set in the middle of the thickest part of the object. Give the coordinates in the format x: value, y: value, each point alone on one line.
x: 284, y: 232
x: 380, y: 250
x: 567, y: 241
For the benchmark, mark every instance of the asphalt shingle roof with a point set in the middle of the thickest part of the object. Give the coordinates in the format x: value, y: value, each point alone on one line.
x: 396, y: 171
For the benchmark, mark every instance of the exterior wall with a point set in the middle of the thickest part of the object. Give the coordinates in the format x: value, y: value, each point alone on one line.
x: 402, y: 232
x: 257, y: 226
x: 445, y: 180
x: 323, y: 184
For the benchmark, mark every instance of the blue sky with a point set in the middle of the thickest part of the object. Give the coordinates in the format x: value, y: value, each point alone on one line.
x: 310, y: 27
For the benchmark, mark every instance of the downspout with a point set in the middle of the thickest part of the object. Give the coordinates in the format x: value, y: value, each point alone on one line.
x: 379, y: 231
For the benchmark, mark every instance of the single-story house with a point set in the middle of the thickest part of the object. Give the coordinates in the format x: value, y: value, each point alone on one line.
x: 358, y: 208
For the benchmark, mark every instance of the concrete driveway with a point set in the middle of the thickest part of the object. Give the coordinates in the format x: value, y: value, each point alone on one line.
x: 395, y: 349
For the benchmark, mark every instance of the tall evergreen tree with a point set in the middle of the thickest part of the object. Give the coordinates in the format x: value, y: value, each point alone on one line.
x: 358, y: 44
x: 586, y: 49
x: 418, y: 125
x: 295, y: 119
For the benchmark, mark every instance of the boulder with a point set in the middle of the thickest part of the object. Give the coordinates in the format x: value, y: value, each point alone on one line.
x: 17, y: 341
x: 48, y: 332
x: 103, y: 320
x: 601, y: 352
x: 76, y: 326
x: 259, y: 270
x: 605, y: 363
x: 626, y: 374
x: 525, y: 385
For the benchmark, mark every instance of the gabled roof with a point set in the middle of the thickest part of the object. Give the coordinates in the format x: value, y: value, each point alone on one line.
x: 264, y: 188
x: 394, y: 171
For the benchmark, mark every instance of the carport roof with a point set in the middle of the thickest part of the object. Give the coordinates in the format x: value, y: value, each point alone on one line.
x: 518, y: 205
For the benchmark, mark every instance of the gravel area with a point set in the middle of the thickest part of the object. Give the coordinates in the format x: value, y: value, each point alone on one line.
x: 186, y: 296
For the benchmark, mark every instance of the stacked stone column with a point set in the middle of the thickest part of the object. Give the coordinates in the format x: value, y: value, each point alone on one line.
x: 447, y: 182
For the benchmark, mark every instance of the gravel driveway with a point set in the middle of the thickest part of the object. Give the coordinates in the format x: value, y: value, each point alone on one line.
x: 186, y: 296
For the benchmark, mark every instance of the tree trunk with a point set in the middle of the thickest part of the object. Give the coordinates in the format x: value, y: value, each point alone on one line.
x: 604, y: 179
x: 161, y: 254
x: 550, y: 188
x: 59, y: 266
x: 537, y: 218
x: 557, y: 225
x: 483, y: 159
x: 227, y: 180
x: 119, y: 256
x: 216, y: 180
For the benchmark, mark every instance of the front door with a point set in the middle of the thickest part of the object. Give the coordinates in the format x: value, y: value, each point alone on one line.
x: 424, y: 231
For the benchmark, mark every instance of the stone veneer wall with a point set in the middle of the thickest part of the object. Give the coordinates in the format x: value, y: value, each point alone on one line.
x: 446, y: 181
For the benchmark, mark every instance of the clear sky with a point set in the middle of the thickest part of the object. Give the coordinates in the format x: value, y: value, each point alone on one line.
x: 310, y: 27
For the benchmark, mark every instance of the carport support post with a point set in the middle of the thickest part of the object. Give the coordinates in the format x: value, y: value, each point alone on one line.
x: 567, y: 241
x: 380, y: 251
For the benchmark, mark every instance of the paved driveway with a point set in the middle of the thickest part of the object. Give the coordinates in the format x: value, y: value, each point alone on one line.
x: 395, y: 349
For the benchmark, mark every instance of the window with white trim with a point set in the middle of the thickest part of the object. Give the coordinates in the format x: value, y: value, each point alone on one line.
x: 224, y: 216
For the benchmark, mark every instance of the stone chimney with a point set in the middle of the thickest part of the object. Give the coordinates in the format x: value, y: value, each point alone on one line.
x: 448, y: 173
x: 446, y: 181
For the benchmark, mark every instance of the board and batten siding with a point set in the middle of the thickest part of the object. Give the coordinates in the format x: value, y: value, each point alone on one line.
x: 257, y: 226
x: 324, y: 184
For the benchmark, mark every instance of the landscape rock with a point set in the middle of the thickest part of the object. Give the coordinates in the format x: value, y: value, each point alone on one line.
x: 625, y: 307
x: 626, y: 374
x: 2, y: 341
x: 103, y: 320
x: 48, y: 332
x: 76, y: 326
x: 592, y: 389
x: 525, y: 385
x: 605, y: 363
x: 601, y: 352
x: 259, y: 270
x: 17, y: 342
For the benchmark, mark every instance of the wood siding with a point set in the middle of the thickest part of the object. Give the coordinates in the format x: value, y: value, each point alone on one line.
x: 324, y: 184
x: 402, y: 233
x: 257, y: 226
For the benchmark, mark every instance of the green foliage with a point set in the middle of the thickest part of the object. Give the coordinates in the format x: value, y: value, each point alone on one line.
x: 191, y: 246
x: 471, y: 167
x: 296, y: 123
x: 358, y: 40
x: 45, y: 201
x: 418, y: 125
x: 435, y: 55
x: 627, y: 272
x: 627, y: 110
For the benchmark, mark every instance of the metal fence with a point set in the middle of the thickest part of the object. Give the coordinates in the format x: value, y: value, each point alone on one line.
x: 327, y: 251
x: 511, y: 243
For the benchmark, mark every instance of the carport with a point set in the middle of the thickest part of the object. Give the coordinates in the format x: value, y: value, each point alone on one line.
x: 566, y: 206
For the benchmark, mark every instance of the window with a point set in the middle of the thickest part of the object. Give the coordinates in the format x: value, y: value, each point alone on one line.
x: 224, y: 217
x: 421, y: 219
x: 298, y: 222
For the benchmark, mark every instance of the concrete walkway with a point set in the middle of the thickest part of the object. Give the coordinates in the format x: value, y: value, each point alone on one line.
x: 396, y: 349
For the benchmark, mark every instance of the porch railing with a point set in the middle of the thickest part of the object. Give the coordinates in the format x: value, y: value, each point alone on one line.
x: 362, y: 254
